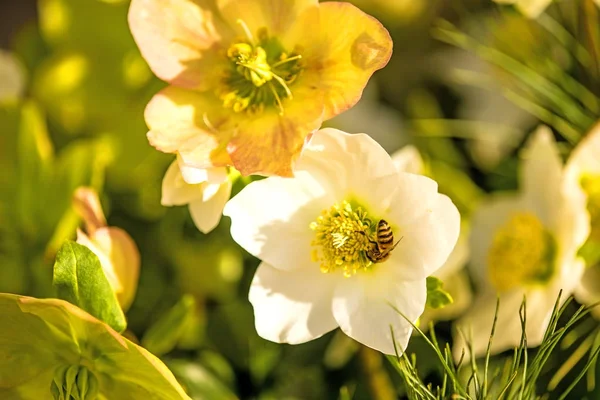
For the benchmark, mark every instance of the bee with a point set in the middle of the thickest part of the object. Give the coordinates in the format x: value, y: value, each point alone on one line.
x: 382, y: 248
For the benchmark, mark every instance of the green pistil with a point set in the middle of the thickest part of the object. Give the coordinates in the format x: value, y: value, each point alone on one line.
x: 260, y: 75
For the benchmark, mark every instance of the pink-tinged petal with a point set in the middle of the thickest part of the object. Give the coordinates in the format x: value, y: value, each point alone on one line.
x: 180, y: 40
x: 207, y: 211
x: 269, y: 143
x: 353, y: 45
x: 277, y: 16
x: 292, y: 306
x: 366, y: 308
x: 178, y: 119
x: 87, y: 205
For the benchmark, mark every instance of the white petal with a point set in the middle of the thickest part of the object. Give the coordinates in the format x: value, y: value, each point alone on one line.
x: 194, y: 175
x: 207, y: 213
x: 363, y: 306
x: 588, y: 291
x: 408, y: 159
x: 542, y: 174
x: 176, y: 191
x: 271, y: 218
x: 292, y: 306
x: 476, y: 325
x: 458, y: 258
x: 428, y: 224
x: 584, y: 157
x: 346, y: 163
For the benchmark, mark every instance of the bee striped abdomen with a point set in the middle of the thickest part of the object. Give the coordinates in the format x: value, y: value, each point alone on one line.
x: 385, y: 236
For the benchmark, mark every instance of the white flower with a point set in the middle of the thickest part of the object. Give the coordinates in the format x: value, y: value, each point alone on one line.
x: 313, y: 234
x: 524, y: 244
x: 204, y: 190
x: 583, y: 173
x: 115, y: 249
x: 12, y: 77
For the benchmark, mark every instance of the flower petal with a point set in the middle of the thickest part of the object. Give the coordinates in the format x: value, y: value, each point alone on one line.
x: 345, y: 162
x: 193, y: 175
x: 588, y: 291
x: 177, y: 120
x: 207, y: 212
x: 270, y: 218
x: 408, y: 159
x: 276, y: 16
x: 428, y: 225
x: 350, y: 52
x: 175, y: 190
x: 292, y: 306
x: 541, y: 174
x: 180, y: 40
x: 363, y: 306
x: 584, y: 157
x: 270, y: 143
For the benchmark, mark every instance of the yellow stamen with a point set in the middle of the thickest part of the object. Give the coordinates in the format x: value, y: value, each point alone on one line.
x: 342, y: 235
x: 591, y: 186
x: 522, y: 252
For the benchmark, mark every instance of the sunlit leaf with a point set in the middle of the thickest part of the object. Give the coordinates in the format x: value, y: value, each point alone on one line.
x: 79, y: 279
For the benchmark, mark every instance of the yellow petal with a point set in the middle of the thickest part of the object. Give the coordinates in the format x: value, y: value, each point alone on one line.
x: 276, y: 16
x: 180, y: 40
x: 269, y: 143
x: 353, y: 45
x: 178, y: 119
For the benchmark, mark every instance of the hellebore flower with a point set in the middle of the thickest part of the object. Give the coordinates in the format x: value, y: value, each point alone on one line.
x: 452, y: 273
x: 583, y: 173
x: 204, y: 190
x: 251, y: 79
x: 324, y: 264
x: 116, y: 250
x: 524, y: 244
x: 49, y: 348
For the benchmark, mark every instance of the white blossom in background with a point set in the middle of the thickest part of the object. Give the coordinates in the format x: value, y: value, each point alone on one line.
x: 314, y: 233
x: 205, y: 191
x: 524, y: 244
x: 583, y: 173
x: 12, y: 77
x: 531, y: 8
x: 116, y: 250
x: 452, y: 273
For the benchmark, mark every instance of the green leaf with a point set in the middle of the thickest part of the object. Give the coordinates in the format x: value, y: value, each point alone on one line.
x: 163, y: 336
x: 40, y: 337
x: 200, y: 383
x: 80, y: 280
x: 437, y: 297
x: 590, y: 252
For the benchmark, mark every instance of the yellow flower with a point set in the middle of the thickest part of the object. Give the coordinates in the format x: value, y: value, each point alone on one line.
x: 251, y: 79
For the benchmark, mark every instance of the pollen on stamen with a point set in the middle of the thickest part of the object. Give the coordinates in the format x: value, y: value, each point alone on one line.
x: 342, y: 235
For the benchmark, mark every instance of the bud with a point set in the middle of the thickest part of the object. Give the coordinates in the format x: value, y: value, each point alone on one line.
x: 118, y: 254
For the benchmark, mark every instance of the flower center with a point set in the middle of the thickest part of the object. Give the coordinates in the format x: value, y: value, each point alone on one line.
x: 591, y: 186
x: 260, y: 74
x: 344, y: 234
x: 522, y: 252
